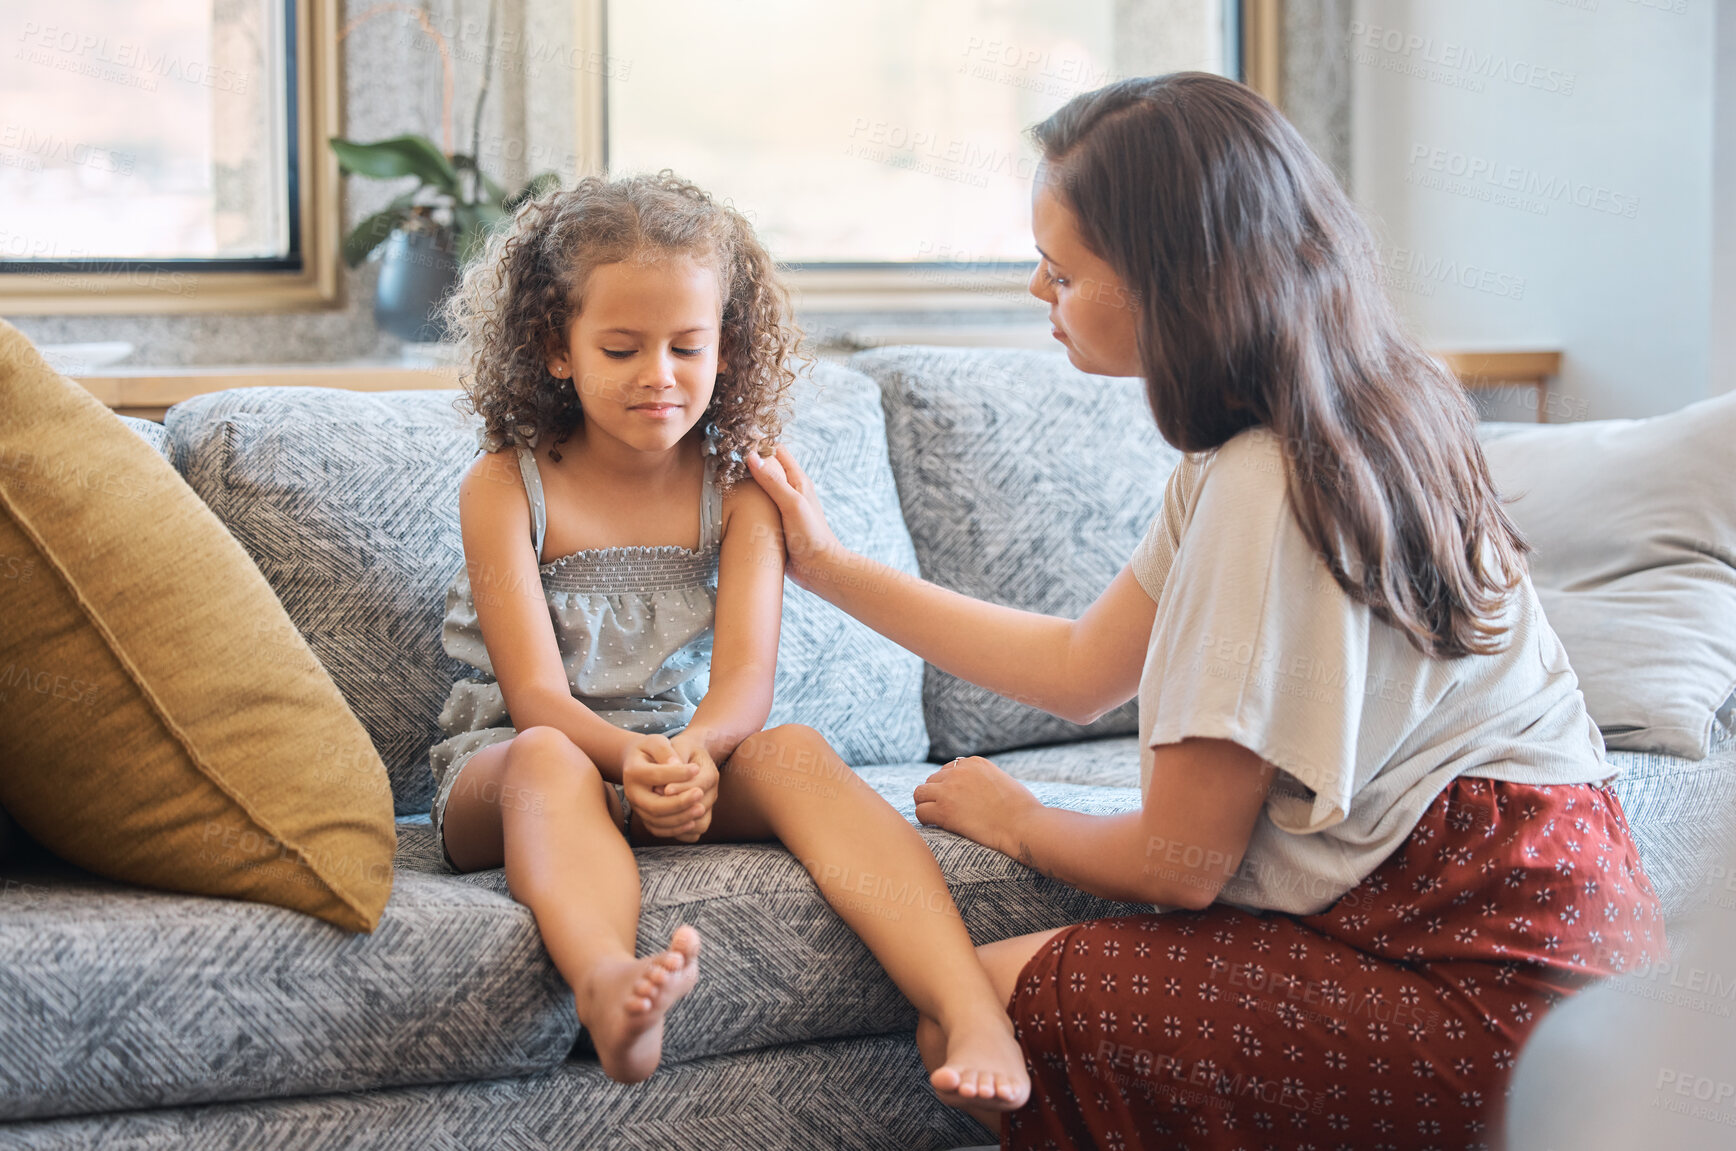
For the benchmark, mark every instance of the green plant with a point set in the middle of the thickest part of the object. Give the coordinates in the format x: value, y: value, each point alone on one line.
x: 454, y: 182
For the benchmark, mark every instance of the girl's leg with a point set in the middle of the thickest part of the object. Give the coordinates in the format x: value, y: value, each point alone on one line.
x: 877, y: 872
x: 1002, y: 960
x: 538, y: 805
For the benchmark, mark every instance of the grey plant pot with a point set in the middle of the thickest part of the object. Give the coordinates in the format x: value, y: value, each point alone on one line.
x: 418, y: 269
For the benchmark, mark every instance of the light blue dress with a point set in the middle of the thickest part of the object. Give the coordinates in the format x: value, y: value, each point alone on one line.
x: 634, y: 627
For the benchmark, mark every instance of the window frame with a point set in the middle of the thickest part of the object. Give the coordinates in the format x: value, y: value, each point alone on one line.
x: 906, y: 286
x: 218, y: 285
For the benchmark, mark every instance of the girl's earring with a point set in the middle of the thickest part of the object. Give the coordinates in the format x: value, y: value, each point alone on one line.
x: 559, y: 370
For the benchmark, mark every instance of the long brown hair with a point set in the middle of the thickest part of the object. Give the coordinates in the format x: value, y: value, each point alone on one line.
x: 1259, y: 303
x: 515, y: 303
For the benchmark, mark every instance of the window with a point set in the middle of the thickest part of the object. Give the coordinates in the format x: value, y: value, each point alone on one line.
x: 161, y: 156
x: 879, y: 145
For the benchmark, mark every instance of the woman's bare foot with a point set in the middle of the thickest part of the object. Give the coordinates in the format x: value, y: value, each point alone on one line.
x: 984, y: 1067
x: 623, y: 1003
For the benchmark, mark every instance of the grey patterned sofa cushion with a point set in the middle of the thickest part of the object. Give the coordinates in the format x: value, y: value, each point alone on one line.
x: 859, y: 689
x: 780, y: 966
x: 120, y: 998
x: 117, y: 997
x: 1681, y: 813
x: 1024, y: 482
x: 152, y: 433
x: 1109, y: 762
x: 868, y: 1094
x: 348, y: 502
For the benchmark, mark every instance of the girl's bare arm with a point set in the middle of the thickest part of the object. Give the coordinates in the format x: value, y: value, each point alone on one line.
x: 750, y: 603
x: 1076, y: 669
x: 494, y: 515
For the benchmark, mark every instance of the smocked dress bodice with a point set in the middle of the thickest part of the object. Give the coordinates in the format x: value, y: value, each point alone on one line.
x: 633, y: 625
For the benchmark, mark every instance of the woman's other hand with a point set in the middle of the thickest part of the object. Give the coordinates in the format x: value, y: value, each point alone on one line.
x: 974, y: 798
x: 808, y: 538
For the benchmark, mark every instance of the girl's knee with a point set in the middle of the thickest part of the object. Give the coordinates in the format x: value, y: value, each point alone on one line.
x: 788, y: 743
x: 793, y: 759
x: 543, y: 759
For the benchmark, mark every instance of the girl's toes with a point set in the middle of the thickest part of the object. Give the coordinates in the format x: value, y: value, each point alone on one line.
x: 945, y: 1079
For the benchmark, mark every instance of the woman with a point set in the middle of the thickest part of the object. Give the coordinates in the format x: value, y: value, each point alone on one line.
x: 1373, y: 802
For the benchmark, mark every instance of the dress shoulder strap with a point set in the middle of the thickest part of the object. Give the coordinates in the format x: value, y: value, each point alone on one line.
x: 710, y: 507
x: 539, y: 511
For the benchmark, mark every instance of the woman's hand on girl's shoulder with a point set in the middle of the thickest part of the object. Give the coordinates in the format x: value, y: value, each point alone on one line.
x: 808, y: 538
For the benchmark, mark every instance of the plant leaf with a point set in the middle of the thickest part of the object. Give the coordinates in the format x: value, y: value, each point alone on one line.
x: 400, y: 156
x: 475, y: 221
x: 369, y: 234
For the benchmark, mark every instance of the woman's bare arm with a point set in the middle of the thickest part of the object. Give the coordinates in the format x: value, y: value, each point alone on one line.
x: 1077, y: 669
x: 1179, y: 850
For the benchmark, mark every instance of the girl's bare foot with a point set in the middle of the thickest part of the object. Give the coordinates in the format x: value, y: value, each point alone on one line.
x: 984, y: 1067
x: 623, y: 1002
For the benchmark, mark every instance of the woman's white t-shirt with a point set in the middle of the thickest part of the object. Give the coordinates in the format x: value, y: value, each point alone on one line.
x: 1256, y: 643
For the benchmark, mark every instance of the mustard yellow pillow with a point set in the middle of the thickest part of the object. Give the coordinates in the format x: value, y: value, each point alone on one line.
x: 161, y: 720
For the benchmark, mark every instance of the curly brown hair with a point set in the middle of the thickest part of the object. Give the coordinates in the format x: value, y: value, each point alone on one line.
x: 515, y: 304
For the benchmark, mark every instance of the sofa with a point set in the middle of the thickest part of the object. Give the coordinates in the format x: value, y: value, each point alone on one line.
x: 142, y: 1019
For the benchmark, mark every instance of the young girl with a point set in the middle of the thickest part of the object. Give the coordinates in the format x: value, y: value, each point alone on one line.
x: 620, y: 601
x: 1372, y: 795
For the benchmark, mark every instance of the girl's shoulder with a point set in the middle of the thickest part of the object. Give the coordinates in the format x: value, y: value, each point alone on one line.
x: 746, y: 502
x: 493, y: 476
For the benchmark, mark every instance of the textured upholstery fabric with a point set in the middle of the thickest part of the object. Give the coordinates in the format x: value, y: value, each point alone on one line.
x: 152, y: 433
x: 868, y: 1094
x: 860, y: 690
x: 161, y: 722
x: 1634, y: 526
x: 1024, y: 482
x: 119, y: 998
x: 349, y: 504
x: 1109, y: 762
x: 1681, y: 813
x: 780, y: 966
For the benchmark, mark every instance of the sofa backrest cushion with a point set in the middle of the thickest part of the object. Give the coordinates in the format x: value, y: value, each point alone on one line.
x: 1634, y: 526
x: 163, y: 723
x: 348, y: 502
x: 1025, y: 482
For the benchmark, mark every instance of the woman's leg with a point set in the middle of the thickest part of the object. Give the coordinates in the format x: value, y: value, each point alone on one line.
x: 877, y: 872
x: 538, y: 805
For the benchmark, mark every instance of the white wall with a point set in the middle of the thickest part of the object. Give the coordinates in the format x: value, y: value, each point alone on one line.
x: 1540, y: 172
x: 1724, y: 207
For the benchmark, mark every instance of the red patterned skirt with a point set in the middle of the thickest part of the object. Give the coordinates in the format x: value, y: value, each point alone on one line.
x: 1392, y: 1019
